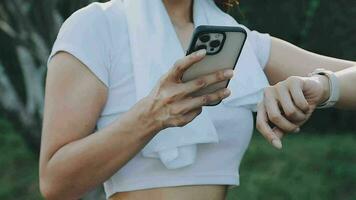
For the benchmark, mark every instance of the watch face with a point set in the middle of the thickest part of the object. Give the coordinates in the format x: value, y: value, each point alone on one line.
x: 320, y: 71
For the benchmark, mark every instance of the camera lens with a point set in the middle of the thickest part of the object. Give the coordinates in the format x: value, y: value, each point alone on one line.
x: 204, y: 38
x: 215, y: 43
x: 200, y: 47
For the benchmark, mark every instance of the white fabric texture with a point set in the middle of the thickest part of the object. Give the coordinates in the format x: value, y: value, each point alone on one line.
x: 176, y: 147
x: 98, y: 36
x: 94, y: 54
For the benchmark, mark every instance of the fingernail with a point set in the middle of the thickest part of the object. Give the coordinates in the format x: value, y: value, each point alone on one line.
x: 297, y: 130
x: 201, y: 52
x: 227, y: 92
x: 228, y: 73
x: 277, y: 143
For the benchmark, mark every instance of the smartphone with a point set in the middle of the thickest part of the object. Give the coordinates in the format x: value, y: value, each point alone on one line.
x: 223, y: 45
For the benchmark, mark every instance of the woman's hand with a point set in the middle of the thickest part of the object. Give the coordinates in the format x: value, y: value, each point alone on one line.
x: 170, y: 103
x: 288, y: 105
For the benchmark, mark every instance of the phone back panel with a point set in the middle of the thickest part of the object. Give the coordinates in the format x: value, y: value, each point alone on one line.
x: 225, y: 58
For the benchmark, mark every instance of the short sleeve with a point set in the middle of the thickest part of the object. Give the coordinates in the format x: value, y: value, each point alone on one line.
x: 85, y: 35
x: 261, y: 44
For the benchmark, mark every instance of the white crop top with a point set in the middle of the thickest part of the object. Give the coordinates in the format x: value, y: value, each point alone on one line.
x: 97, y: 35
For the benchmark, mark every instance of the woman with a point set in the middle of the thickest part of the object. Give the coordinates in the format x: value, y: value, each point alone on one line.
x: 297, y: 97
x: 90, y: 82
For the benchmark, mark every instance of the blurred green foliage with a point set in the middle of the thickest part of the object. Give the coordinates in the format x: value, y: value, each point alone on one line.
x: 310, y: 166
x: 317, y: 167
x: 325, y: 27
x: 18, y: 166
x: 321, y: 26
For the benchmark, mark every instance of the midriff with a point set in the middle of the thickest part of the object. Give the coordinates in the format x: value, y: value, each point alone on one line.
x: 191, y: 192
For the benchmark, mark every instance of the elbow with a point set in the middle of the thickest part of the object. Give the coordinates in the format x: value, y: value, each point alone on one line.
x: 51, y: 190
x: 48, y: 190
x: 55, y: 188
x: 54, y: 184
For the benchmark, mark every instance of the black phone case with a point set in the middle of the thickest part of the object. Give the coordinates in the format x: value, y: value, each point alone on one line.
x: 225, y: 57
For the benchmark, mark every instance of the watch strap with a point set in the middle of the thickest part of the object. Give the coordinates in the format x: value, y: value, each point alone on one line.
x: 333, y: 85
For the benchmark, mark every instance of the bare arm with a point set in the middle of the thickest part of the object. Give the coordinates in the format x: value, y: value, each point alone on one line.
x: 292, y: 98
x: 347, y: 80
x: 73, y: 160
x: 288, y: 60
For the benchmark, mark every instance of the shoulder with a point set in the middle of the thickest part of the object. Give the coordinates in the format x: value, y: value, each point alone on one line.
x: 93, y: 13
x: 99, y: 10
x: 260, y: 44
x: 87, y: 35
x: 96, y: 17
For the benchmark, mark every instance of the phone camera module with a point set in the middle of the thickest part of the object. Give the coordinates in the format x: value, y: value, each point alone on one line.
x: 203, y: 46
x: 212, y: 42
x: 215, y: 43
x: 204, y: 38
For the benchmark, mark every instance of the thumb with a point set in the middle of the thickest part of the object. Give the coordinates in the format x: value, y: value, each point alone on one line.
x: 313, y: 90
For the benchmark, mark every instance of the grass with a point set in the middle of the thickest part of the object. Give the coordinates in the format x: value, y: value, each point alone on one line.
x: 18, y: 166
x: 314, y: 167
x: 321, y: 166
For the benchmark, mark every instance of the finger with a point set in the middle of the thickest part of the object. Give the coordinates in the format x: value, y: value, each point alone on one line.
x: 182, y: 120
x: 196, y: 102
x: 298, y: 97
x: 275, y: 116
x: 183, y: 64
x: 206, y: 80
x: 308, y: 115
x: 278, y: 132
x: 190, y: 116
x: 264, y: 128
x: 291, y: 112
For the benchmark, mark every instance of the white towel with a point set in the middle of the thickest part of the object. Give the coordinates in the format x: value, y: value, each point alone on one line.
x: 155, y: 47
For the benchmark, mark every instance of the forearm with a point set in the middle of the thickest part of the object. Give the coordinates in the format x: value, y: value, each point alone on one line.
x: 81, y: 165
x: 347, y: 80
x: 288, y: 60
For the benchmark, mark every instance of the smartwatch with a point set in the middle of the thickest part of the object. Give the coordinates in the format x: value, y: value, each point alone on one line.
x: 333, y: 85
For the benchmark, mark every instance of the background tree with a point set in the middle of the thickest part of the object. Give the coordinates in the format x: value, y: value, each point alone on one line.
x: 321, y: 26
x: 28, y: 29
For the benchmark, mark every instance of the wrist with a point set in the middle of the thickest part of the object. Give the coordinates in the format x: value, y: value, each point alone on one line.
x: 325, y: 87
x: 145, y: 118
x: 332, y: 91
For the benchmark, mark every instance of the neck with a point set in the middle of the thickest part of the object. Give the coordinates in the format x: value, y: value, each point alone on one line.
x: 180, y: 11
